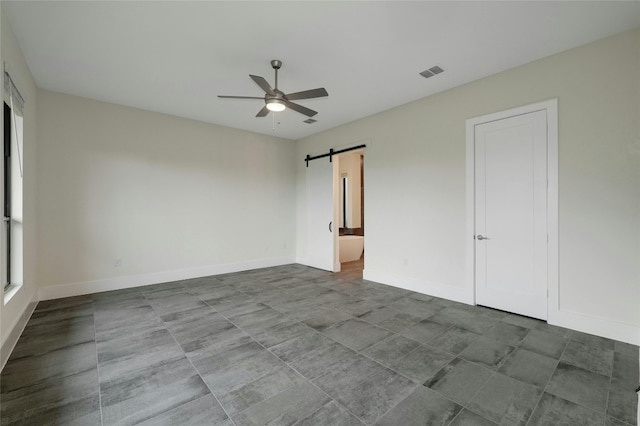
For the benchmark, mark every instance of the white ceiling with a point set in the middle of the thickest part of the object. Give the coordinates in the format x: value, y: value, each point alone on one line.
x: 175, y: 57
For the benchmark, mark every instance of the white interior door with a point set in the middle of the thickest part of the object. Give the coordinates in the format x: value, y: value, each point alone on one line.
x: 511, y: 214
x: 320, y: 214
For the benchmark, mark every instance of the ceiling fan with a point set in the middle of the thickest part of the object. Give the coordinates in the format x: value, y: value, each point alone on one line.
x: 275, y: 100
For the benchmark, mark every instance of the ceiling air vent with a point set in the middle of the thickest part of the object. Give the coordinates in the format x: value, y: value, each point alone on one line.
x: 309, y: 121
x: 431, y: 72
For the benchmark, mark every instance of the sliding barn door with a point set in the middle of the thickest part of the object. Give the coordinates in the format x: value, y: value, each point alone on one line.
x: 320, y: 214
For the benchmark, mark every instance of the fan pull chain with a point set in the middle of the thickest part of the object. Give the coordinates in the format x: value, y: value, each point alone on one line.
x: 273, y: 126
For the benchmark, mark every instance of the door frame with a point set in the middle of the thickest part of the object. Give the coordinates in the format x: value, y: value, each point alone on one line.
x: 337, y: 266
x: 337, y: 182
x: 551, y: 108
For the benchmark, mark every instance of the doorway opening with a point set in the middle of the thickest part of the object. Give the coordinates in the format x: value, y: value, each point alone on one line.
x: 349, y: 205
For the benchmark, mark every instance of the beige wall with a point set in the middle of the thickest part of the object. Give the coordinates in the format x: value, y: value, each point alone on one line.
x: 128, y: 197
x: 415, y: 181
x: 11, y: 315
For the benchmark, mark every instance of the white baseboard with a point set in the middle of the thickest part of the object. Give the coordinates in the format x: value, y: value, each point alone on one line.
x: 594, y: 325
x: 16, y: 331
x: 572, y: 320
x: 313, y: 262
x: 118, y: 283
x: 302, y: 260
x: 580, y: 322
x: 431, y: 288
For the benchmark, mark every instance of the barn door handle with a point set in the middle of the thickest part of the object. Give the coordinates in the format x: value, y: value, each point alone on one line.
x: 482, y: 237
x: 330, y: 230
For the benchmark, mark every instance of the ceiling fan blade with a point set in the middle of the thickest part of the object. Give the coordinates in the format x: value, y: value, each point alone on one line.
x: 307, y: 94
x: 239, y: 97
x: 263, y: 84
x: 264, y: 111
x: 299, y: 108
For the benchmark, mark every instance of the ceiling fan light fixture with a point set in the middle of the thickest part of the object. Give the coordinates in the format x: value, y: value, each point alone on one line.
x: 275, y: 105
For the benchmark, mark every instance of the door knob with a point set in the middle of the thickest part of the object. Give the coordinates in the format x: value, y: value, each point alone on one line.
x: 482, y: 237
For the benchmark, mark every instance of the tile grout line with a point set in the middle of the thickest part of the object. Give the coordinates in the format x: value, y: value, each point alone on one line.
x: 481, y: 387
x: 398, y: 333
x: 187, y: 357
x: 544, y: 389
x: 322, y: 334
x: 361, y: 352
x: 456, y: 416
x: 198, y: 296
x: 606, y: 407
x: 245, y: 290
x: 493, y: 373
x: 463, y: 406
x: 378, y: 362
x: 604, y: 413
x: 95, y: 341
x: 519, y: 346
x: 398, y: 373
x: 286, y: 363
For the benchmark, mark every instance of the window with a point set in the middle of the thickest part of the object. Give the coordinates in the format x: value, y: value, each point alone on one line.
x: 13, y: 184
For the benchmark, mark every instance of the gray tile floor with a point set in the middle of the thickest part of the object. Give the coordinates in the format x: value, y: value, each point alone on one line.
x: 294, y: 345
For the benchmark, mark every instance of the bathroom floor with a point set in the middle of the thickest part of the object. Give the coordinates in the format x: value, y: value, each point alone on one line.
x: 351, y: 270
x: 295, y: 345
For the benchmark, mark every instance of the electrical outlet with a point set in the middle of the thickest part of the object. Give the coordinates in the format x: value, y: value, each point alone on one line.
x: 405, y: 262
x: 118, y: 263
